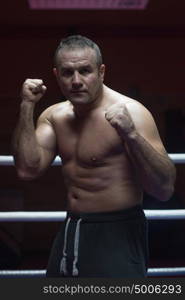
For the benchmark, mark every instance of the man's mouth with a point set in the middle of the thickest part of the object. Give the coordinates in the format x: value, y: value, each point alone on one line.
x: 78, y: 92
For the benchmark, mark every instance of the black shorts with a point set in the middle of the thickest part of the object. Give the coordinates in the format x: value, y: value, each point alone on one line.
x: 108, y: 244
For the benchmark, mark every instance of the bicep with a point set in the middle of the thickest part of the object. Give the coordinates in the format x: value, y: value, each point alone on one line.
x: 46, y: 140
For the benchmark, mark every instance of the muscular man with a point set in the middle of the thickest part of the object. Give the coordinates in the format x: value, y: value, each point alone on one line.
x: 111, y: 151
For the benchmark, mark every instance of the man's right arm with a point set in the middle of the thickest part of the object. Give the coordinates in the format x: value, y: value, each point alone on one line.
x: 33, y: 149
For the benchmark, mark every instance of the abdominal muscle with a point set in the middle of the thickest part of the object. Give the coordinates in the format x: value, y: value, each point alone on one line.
x: 109, y: 187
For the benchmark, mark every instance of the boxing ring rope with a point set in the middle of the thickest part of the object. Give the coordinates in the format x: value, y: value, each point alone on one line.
x: 152, y: 272
x: 7, y: 160
x: 58, y: 216
x: 54, y: 216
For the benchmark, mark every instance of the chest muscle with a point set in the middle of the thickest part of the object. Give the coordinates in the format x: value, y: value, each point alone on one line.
x: 91, y: 143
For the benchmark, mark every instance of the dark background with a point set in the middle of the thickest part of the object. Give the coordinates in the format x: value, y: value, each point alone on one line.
x: 144, y: 52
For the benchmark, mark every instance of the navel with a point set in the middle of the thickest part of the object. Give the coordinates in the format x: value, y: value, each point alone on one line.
x: 94, y: 159
x: 75, y: 196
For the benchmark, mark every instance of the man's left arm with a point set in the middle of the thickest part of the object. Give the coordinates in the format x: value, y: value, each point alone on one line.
x: 136, y: 126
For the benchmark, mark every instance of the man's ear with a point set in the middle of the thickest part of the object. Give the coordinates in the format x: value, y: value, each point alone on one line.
x: 102, y: 72
x: 55, y: 72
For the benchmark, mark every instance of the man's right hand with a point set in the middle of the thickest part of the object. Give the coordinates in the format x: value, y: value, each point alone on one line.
x: 33, y: 90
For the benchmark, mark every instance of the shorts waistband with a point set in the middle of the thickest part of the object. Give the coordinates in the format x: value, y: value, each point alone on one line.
x: 125, y: 214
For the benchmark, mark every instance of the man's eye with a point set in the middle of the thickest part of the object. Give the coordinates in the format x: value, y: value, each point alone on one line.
x: 85, y: 71
x: 67, y: 73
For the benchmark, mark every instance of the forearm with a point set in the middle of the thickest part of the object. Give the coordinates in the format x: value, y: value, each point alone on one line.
x: 25, y: 147
x: 137, y: 129
x: 155, y: 170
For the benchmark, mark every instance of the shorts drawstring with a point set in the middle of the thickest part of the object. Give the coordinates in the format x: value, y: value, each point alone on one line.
x: 76, y: 244
x: 63, y: 264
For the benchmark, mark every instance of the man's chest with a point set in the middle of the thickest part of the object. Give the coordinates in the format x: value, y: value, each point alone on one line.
x: 91, y: 141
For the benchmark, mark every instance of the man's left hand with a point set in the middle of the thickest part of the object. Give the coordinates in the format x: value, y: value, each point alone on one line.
x: 119, y: 118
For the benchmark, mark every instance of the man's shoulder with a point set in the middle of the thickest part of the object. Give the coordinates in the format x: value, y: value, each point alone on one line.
x: 119, y: 98
x: 135, y: 107
x: 57, y: 110
x: 59, y: 107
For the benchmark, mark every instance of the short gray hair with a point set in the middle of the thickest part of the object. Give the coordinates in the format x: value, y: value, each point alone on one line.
x: 81, y: 42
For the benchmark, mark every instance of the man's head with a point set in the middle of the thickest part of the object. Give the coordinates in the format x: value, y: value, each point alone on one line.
x: 79, y: 69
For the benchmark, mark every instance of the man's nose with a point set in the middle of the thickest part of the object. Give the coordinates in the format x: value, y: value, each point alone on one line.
x: 76, y: 80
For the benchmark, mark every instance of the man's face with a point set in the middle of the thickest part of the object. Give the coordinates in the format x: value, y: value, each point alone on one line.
x: 78, y: 75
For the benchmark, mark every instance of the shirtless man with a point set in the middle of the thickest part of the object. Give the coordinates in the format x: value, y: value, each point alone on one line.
x: 111, y: 151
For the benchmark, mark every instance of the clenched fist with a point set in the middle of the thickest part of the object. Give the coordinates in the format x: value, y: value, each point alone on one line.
x: 32, y: 90
x: 119, y: 118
